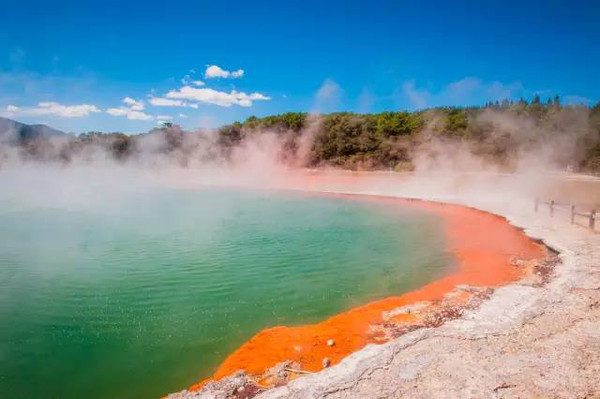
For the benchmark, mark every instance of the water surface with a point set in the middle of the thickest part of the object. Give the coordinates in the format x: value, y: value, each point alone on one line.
x: 143, y: 294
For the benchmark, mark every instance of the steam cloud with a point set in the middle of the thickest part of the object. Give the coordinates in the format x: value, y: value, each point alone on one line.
x: 276, y: 158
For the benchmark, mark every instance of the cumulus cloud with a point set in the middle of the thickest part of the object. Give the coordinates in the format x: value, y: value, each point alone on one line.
x: 129, y: 113
x: 215, y: 71
x: 133, y: 110
x: 193, y: 92
x: 64, y: 111
x: 221, y: 98
x: 169, y: 102
x: 51, y: 108
x: 134, y: 104
x: 164, y: 117
x: 166, y: 102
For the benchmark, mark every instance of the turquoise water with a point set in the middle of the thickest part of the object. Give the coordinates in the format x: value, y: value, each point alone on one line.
x: 145, y: 294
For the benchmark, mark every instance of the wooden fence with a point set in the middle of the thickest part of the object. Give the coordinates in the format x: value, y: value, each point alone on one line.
x: 587, y: 212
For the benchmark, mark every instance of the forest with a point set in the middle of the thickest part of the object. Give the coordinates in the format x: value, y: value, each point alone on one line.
x: 501, y: 133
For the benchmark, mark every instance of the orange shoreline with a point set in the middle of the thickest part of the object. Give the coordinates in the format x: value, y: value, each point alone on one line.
x: 484, y: 246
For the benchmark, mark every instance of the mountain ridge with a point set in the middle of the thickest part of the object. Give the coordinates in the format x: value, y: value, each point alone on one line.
x: 24, y: 132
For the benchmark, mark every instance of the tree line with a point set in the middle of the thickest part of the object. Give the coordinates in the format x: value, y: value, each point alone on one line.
x: 498, y: 132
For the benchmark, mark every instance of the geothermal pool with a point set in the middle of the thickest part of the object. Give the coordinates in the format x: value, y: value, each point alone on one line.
x: 142, y: 294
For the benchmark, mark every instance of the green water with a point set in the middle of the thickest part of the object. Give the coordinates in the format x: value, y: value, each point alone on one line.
x: 143, y: 295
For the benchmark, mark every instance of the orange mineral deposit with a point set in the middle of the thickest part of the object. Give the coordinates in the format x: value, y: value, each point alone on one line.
x: 483, y: 245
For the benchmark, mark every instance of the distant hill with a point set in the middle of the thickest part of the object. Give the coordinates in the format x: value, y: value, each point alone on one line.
x: 18, y: 131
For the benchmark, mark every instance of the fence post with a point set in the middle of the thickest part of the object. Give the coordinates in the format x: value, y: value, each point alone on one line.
x: 572, y: 214
x: 592, y: 219
x: 536, y: 204
x: 552, y: 208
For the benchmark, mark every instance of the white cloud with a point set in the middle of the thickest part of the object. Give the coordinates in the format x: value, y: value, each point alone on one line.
x: 9, y: 111
x: 166, y: 102
x: 134, y: 104
x: 182, y: 115
x: 63, y: 111
x: 129, y: 113
x: 164, y: 117
x: 187, y: 80
x: 215, y: 71
x: 221, y: 98
x: 50, y: 108
x: 169, y: 102
x: 133, y: 110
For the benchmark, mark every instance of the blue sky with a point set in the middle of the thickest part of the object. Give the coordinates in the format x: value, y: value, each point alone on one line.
x: 81, y: 66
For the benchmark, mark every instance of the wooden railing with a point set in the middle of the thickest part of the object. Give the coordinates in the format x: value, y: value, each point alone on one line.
x: 588, y: 212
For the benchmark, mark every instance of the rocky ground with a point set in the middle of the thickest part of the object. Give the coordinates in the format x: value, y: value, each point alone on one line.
x: 532, y: 338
